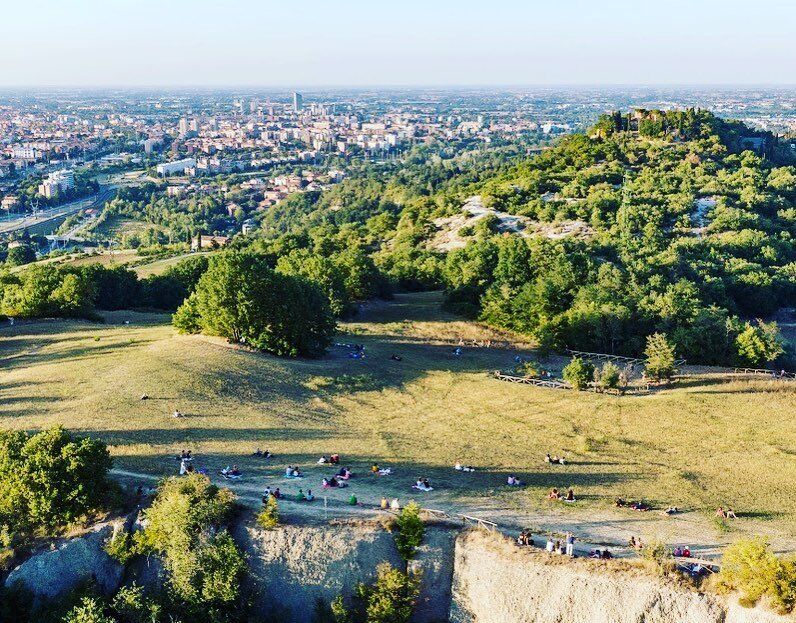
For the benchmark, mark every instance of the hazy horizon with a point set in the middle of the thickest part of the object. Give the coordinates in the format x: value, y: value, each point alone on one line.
x: 355, y: 44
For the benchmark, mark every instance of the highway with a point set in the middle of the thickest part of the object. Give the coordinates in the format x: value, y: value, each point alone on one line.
x: 10, y: 224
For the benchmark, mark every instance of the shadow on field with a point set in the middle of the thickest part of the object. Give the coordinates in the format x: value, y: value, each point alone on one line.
x: 258, y: 436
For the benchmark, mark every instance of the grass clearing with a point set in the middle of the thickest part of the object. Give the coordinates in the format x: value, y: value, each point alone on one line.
x: 705, y: 443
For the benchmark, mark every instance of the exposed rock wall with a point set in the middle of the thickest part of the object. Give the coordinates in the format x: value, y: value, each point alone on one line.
x: 295, y: 566
x: 54, y: 573
x: 495, y: 582
x: 435, y: 559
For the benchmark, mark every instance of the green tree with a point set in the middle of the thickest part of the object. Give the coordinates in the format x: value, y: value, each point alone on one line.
x: 409, y: 531
x: 660, y: 357
x: 20, y: 255
x: 89, y: 610
x: 578, y: 373
x: 51, y: 478
x: 609, y: 376
x: 268, y: 517
x: 758, y: 345
x: 242, y: 298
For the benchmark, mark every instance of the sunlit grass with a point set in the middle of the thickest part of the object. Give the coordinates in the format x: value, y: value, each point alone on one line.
x: 702, y: 444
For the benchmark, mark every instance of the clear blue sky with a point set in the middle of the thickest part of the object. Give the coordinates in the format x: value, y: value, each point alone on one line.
x: 396, y: 42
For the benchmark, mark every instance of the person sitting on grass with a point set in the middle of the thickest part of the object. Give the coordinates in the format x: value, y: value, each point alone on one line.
x: 231, y: 473
x: 309, y: 496
x: 554, y: 494
x: 422, y: 484
x: 334, y: 459
x: 288, y: 471
x: 720, y: 513
x: 352, y: 501
x: 297, y: 473
x: 263, y: 455
x: 513, y: 481
x: 344, y: 473
x: 277, y: 494
x: 266, y: 494
x: 731, y: 514
x: 635, y: 543
x: 300, y: 495
x: 570, y: 497
x: 374, y: 469
x: 323, y: 460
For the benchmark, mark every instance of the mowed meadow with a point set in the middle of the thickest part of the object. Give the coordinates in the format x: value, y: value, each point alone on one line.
x: 704, y: 443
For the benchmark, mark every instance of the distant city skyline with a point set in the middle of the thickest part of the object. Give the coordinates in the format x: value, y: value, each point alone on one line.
x: 248, y: 43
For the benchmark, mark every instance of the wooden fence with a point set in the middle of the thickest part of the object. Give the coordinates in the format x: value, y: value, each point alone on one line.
x: 551, y: 383
x: 782, y: 375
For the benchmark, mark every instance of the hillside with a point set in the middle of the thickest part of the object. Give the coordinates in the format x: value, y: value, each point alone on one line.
x: 673, y: 222
x: 418, y: 416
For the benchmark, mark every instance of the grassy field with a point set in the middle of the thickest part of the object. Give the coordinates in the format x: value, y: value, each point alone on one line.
x: 705, y: 443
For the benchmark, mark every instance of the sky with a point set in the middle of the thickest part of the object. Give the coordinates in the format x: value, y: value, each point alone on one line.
x: 295, y: 43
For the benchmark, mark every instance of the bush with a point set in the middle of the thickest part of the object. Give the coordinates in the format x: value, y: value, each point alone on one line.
x: 390, y: 599
x: 608, y: 377
x: 751, y: 568
x: 185, y: 526
x: 89, y: 610
x: 120, y: 546
x: 51, y: 478
x: 268, y: 517
x: 578, y: 373
x: 410, y: 531
x: 658, y: 554
x: 660, y: 357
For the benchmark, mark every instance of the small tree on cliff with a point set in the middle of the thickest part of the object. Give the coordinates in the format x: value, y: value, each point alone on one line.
x: 410, y: 531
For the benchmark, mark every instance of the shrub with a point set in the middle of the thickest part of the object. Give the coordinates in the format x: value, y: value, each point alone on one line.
x: 658, y: 554
x: 89, y: 610
x: 410, y: 531
x: 390, y: 599
x: 268, y: 517
x: 752, y: 569
x: 578, y: 373
x: 51, y: 478
x: 205, y: 567
x: 120, y: 546
x: 660, y: 357
x: 609, y: 376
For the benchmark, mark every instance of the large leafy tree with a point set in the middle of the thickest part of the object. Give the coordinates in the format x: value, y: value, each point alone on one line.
x: 242, y: 298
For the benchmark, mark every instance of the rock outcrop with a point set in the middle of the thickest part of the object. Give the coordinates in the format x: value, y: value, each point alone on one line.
x: 54, y: 573
x: 294, y: 567
x: 495, y: 582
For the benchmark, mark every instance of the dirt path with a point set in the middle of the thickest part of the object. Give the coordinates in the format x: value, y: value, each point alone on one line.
x: 601, y: 530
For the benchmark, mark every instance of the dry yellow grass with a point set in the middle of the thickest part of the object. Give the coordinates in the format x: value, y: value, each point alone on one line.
x: 699, y: 445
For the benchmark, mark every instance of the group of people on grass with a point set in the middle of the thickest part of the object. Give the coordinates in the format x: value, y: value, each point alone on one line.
x: 555, y: 460
x: 555, y: 494
x: 422, y: 484
x: 640, y: 505
x: 567, y: 546
x: 725, y: 514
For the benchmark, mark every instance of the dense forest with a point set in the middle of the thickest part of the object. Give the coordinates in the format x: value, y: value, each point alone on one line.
x: 691, y: 222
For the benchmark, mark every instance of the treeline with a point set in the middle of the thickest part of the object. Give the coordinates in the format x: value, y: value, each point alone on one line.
x: 45, y: 291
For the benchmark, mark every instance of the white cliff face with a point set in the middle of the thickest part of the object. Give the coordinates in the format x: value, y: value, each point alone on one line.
x: 497, y: 583
x: 54, y: 573
x: 468, y: 577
